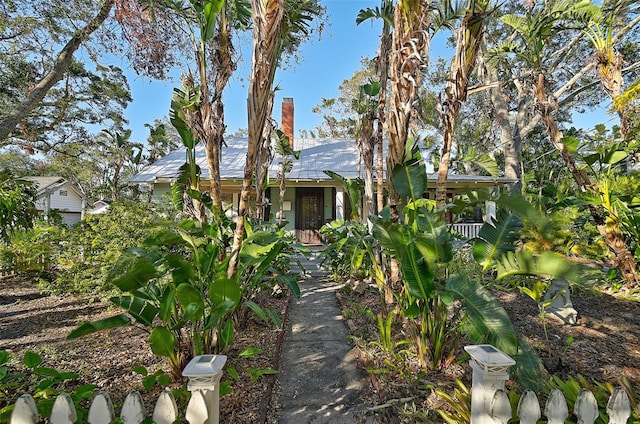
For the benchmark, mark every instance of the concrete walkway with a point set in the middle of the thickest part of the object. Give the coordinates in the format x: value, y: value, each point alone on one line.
x: 319, y: 375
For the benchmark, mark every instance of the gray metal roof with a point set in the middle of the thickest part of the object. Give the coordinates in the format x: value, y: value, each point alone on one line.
x: 316, y: 155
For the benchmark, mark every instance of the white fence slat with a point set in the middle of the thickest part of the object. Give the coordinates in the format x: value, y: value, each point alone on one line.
x: 24, y: 411
x: 556, y: 409
x: 132, y: 409
x: 529, y: 408
x: 197, y: 409
x: 586, y: 407
x: 101, y: 410
x: 619, y: 408
x: 500, y: 408
x: 166, y: 409
x: 63, y: 411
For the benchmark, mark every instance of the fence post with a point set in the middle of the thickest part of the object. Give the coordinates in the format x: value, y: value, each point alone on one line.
x: 490, y: 371
x: 204, y: 372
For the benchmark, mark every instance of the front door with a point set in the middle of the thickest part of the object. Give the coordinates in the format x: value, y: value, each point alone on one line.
x: 309, y: 214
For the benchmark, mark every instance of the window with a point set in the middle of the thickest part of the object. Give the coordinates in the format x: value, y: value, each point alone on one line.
x: 63, y: 192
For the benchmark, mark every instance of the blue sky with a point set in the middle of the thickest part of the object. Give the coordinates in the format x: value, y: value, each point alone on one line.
x: 324, y: 64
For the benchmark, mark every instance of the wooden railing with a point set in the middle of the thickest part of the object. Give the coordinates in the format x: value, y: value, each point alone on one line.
x: 468, y: 230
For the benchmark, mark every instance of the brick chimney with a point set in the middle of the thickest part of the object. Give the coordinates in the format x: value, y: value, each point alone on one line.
x: 287, y: 118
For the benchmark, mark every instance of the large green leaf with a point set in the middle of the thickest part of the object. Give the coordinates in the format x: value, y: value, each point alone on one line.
x: 211, y: 11
x: 162, y: 342
x: 487, y: 321
x: 119, y: 320
x: 136, y: 273
x: 495, y: 239
x: 189, y: 297
x: 141, y: 309
x: 226, y: 335
x: 416, y: 273
x: 410, y: 178
x: 547, y: 264
x: 225, y: 289
x: 167, y: 308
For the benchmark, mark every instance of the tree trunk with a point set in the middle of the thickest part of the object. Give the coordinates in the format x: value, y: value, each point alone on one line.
x: 225, y: 66
x: 367, y: 145
x: 410, y: 45
x: 267, y: 19
x: 383, y: 66
x: 609, y: 228
x: 61, y: 65
x: 469, y: 39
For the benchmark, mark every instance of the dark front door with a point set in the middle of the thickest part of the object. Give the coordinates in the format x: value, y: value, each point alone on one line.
x: 309, y: 214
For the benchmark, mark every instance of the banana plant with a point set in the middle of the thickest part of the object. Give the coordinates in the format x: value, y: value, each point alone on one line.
x: 423, y: 244
x: 176, y: 287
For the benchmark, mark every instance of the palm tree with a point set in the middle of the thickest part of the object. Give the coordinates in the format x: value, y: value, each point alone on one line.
x: 384, y: 12
x: 267, y: 20
x: 535, y: 30
x: 468, y: 42
x: 410, y: 45
x: 599, y: 27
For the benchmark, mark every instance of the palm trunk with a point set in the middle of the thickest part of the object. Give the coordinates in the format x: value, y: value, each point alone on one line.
x: 469, y: 39
x: 610, y: 229
x: 224, y: 65
x: 383, y: 66
x: 61, y: 65
x: 267, y: 19
x: 410, y: 44
x: 366, y: 134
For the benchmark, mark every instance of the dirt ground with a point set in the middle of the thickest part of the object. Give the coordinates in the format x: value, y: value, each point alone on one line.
x: 32, y: 321
x: 605, y: 346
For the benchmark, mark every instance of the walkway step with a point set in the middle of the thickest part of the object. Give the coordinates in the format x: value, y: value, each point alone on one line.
x: 320, y: 379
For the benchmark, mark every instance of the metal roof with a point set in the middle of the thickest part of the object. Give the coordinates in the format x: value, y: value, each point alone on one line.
x: 316, y: 155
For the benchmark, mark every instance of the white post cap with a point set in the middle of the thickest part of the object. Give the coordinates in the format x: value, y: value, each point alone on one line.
x: 490, y: 358
x: 204, y: 366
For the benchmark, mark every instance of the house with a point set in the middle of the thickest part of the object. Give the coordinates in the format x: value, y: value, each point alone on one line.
x: 56, y: 194
x: 99, y: 207
x: 312, y: 198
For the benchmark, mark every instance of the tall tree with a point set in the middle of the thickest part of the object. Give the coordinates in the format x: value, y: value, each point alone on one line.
x: 535, y: 31
x: 267, y: 18
x: 384, y: 12
x: 468, y: 41
x: 410, y: 45
x: 52, y: 74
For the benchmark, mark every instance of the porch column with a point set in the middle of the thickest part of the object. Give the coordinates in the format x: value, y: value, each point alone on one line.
x: 339, y: 203
x: 489, y: 211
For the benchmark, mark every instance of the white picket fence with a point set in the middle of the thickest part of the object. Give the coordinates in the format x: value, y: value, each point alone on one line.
x: 556, y: 411
x: 101, y: 410
x: 203, y: 373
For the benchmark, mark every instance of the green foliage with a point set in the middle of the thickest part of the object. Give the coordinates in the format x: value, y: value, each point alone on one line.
x: 43, y: 383
x: 460, y: 402
x: 84, y: 254
x: 17, y: 205
x: 175, y: 284
x: 346, y: 254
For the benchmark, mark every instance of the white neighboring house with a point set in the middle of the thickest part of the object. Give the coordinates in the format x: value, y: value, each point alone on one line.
x: 99, y: 207
x: 59, y: 195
